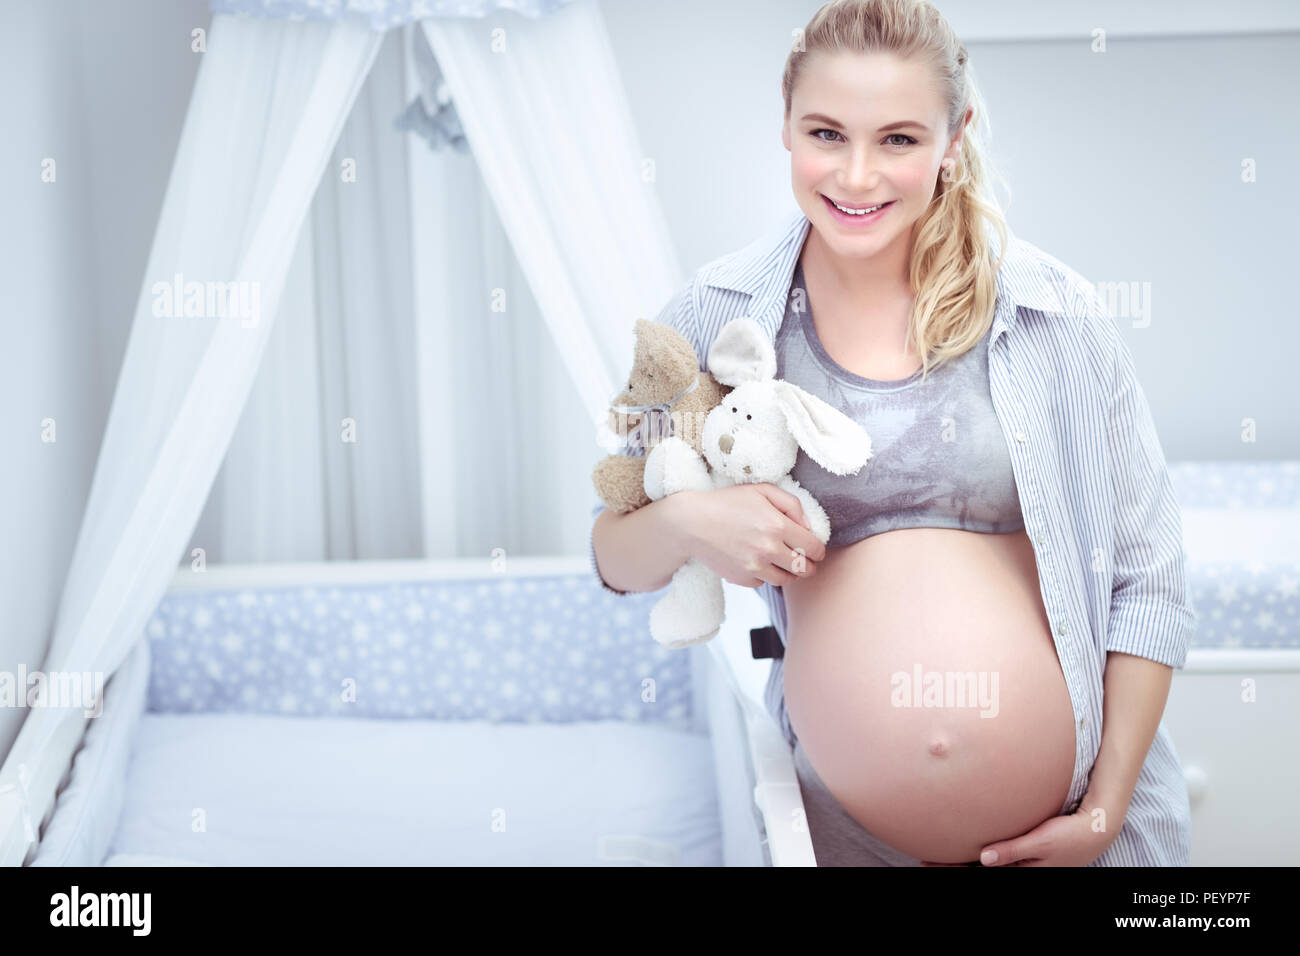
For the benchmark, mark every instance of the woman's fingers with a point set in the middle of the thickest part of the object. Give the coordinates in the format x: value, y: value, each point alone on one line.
x: 800, y: 560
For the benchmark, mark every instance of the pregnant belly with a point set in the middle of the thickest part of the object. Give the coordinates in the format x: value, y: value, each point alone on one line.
x: 923, y: 683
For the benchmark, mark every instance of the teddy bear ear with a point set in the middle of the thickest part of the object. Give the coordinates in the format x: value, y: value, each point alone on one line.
x: 742, y: 352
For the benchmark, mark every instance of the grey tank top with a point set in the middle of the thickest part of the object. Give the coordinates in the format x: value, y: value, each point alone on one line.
x: 939, y: 458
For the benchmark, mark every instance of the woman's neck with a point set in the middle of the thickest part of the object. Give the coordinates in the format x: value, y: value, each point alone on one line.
x: 880, y: 280
x: 876, y: 289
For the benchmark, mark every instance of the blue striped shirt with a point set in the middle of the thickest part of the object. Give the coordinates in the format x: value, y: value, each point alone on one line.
x: 1097, y: 500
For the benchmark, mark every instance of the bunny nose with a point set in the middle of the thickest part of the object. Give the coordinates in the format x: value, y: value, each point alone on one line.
x: 725, y: 442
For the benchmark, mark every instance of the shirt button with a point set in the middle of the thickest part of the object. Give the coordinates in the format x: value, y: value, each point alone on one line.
x: 1039, y: 538
x: 1082, y: 721
x: 1060, y: 628
x: 1020, y: 436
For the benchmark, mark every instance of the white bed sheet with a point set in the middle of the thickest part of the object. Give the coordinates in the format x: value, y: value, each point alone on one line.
x: 1253, y: 534
x: 237, y: 789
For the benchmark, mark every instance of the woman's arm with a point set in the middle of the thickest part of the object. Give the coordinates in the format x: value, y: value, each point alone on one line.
x: 640, y: 550
x: 1151, y: 615
x: 1135, y: 693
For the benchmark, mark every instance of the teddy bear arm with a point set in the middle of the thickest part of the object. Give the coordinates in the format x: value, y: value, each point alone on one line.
x: 655, y: 467
x: 683, y: 469
x: 619, y: 482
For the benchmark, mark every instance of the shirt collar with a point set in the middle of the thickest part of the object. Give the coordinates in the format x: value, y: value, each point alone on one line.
x: 763, y: 271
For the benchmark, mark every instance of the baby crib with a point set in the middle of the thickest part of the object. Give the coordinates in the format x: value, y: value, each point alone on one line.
x: 421, y: 713
x: 465, y: 712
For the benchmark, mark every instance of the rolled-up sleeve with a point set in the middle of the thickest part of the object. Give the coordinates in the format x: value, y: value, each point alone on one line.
x: 679, y: 313
x: 1151, y: 614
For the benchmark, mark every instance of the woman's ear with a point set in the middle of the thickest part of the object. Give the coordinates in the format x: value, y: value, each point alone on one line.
x: 827, y: 435
x: 742, y: 352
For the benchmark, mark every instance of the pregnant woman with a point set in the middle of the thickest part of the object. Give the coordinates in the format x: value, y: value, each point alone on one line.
x: 1011, y: 556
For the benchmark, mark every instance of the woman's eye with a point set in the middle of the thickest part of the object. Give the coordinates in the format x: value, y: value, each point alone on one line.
x: 907, y: 140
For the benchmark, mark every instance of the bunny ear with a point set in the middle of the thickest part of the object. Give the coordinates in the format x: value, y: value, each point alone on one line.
x: 830, y: 438
x: 742, y: 352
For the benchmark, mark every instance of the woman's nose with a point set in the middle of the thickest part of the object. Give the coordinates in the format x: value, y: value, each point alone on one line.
x: 861, y: 175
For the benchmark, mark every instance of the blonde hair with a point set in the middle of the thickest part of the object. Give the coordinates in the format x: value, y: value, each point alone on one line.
x: 951, y: 273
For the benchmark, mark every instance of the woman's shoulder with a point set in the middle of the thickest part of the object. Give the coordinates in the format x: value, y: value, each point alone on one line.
x: 714, y: 293
x: 1043, y: 287
x: 1039, y: 280
x: 1062, y: 319
x: 745, y: 280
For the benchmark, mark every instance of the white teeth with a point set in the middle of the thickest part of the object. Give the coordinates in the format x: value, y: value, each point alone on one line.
x: 857, y: 212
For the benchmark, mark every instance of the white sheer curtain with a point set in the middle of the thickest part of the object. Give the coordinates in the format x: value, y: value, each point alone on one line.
x: 291, y: 488
x: 543, y: 108
x: 405, y: 309
x: 268, y: 105
x: 505, y: 448
x: 544, y: 111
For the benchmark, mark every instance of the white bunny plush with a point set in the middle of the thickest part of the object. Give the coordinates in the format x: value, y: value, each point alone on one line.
x: 753, y: 436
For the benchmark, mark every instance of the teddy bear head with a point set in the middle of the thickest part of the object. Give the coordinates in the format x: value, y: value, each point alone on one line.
x: 664, y: 365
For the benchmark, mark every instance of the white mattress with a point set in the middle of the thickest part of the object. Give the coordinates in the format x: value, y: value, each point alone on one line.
x: 238, y: 789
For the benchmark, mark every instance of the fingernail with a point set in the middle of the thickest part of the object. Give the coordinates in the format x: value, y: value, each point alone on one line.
x: 989, y: 857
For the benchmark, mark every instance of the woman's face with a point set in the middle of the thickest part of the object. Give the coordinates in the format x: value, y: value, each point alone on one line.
x: 843, y: 149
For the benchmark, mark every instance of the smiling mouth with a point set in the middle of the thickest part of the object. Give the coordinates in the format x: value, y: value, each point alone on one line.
x: 856, y: 209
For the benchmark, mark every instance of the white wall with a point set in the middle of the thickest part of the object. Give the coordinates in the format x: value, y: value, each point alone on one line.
x: 100, y: 86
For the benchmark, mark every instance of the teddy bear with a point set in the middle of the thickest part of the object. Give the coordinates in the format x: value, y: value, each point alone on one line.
x: 666, y: 394
x: 754, y: 435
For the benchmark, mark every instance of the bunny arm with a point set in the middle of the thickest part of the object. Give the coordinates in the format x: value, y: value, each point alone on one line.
x: 674, y: 466
x: 812, y: 509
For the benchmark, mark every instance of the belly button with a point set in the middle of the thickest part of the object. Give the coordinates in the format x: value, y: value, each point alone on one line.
x: 939, y: 749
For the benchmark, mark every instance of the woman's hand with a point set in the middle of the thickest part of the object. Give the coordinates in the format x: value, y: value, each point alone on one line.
x: 750, y: 533
x: 1066, y: 840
